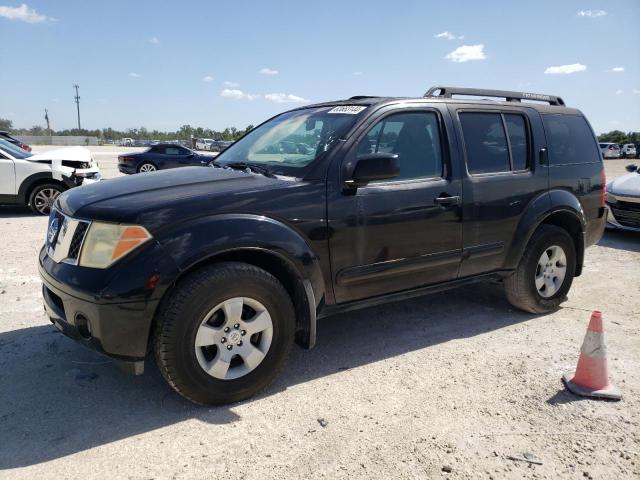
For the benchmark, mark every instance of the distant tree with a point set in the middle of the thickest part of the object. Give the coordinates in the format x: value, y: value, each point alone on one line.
x: 6, y: 124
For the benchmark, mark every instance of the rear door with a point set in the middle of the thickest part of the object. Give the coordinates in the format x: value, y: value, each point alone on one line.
x: 500, y: 178
x: 396, y: 234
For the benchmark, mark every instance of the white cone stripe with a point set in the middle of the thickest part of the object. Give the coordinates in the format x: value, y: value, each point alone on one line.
x: 593, y: 345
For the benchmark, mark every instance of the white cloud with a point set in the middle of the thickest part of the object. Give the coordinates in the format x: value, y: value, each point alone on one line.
x: 636, y: 91
x: 207, y: 79
x: 467, y: 52
x: 618, y: 92
x: 237, y: 94
x: 268, y: 71
x: 616, y: 70
x: 357, y: 73
x: 592, y: 13
x: 445, y: 34
x: 134, y: 75
x: 23, y: 14
x: 231, y: 84
x: 284, y: 98
x: 565, y: 69
x: 154, y: 40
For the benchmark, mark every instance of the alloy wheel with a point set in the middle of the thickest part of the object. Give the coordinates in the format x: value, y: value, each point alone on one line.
x: 234, y: 338
x: 551, y: 270
x: 147, y: 167
x: 44, y: 199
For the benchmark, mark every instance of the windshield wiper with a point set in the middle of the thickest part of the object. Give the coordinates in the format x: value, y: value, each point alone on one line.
x: 249, y: 166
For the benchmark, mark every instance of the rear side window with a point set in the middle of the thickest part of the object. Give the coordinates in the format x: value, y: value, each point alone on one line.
x: 517, y: 132
x: 569, y: 140
x: 491, y: 149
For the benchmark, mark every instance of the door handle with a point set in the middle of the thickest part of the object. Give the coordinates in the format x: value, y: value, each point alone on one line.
x: 446, y: 201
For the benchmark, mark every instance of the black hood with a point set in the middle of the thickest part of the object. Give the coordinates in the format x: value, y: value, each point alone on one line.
x: 152, y: 199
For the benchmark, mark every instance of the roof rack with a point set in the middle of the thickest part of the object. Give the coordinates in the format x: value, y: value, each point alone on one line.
x: 448, y: 92
x: 362, y: 97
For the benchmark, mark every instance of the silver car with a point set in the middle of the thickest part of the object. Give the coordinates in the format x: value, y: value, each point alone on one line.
x: 623, y: 201
x: 628, y: 150
x: 610, y: 150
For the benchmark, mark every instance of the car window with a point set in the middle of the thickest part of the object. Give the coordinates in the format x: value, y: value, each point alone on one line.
x: 485, y: 142
x: 172, y: 151
x: 518, y: 140
x: 414, y: 137
x: 570, y: 140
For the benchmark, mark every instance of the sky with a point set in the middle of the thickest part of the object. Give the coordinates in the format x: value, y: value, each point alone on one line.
x: 215, y: 64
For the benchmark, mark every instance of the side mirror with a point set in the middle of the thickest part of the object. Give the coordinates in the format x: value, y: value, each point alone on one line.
x: 632, y: 167
x: 373, y: 167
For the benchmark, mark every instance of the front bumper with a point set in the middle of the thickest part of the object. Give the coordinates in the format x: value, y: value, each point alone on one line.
x: 614, y: 224
x: 117, y: 329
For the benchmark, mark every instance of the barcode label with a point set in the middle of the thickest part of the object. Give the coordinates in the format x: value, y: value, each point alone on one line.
x: 348, y: 109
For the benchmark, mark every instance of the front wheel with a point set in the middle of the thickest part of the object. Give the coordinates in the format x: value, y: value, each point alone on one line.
x: 43, y: 197
x: 224, y: 333
x: 545, y: 272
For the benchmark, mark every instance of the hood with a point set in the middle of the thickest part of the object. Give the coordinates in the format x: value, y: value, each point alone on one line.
x: 154, y: 199
x: 79, y: 154
x: 627, y: 185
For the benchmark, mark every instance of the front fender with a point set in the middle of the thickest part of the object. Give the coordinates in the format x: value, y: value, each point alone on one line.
x: 196, y: 241
x: 540, y: 209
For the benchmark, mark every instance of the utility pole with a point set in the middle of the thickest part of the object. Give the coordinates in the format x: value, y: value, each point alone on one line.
x: 77, y: 99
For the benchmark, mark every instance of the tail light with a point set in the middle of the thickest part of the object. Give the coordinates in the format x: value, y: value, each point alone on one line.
x: 126, y: 159
x: 604, y: 186
x: 25, y: 147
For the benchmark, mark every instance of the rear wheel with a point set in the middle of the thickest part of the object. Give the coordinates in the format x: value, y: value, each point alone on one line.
x: 545, y: 272
x: 147, y: 167
x: 224, y: 333
x: 43, y: 196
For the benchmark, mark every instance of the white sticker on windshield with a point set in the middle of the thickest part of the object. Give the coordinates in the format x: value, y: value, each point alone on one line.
x: 348, y: 109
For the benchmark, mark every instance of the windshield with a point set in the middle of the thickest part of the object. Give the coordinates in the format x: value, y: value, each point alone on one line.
x: 290, y: 142
x: 12, y: 150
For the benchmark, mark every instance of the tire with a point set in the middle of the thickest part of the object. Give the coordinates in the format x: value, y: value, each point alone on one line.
x: 182, y: 318
x: 42, y: 197
x: 521, y: 289
x: 146, y: 167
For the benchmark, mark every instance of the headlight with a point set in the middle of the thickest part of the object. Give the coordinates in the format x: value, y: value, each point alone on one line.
x: 105, y: 243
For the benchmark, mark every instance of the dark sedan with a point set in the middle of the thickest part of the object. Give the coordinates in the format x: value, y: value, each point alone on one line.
x: 160, y: 157
x: 6, y: 136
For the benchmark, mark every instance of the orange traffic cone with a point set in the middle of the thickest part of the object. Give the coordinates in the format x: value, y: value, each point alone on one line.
x: 592, y: 375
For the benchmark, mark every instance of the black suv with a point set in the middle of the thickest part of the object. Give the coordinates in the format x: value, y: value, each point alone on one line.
x: 319, y: 210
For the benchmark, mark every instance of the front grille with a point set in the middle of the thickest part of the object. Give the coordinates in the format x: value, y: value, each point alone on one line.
x: 64, y: 237
x: 76, y: 241
x: 627, y: 213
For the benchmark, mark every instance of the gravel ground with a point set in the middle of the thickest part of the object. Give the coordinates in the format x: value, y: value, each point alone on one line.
x: 446, y: 386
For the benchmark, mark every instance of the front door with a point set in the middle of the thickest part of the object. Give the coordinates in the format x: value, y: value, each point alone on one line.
x: 7, y: 176
x: 401, y: 233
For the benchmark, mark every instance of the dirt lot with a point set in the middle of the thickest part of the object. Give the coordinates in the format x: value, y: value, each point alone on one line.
x: 457, y: 381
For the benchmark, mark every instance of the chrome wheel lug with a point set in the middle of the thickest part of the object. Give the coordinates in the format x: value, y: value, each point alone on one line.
x: 223, y: 339
x: 240, y: 343
x: 236, y: 326
x: 243, y: 332
x: 226, y: 329
x: 229, y: 347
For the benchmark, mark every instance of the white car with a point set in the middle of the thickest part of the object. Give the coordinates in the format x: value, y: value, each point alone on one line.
x: 610, y: 150
x: 204, y: 143
x: 628, y: 151
x: 623, y: 201
x: 37, y: 180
